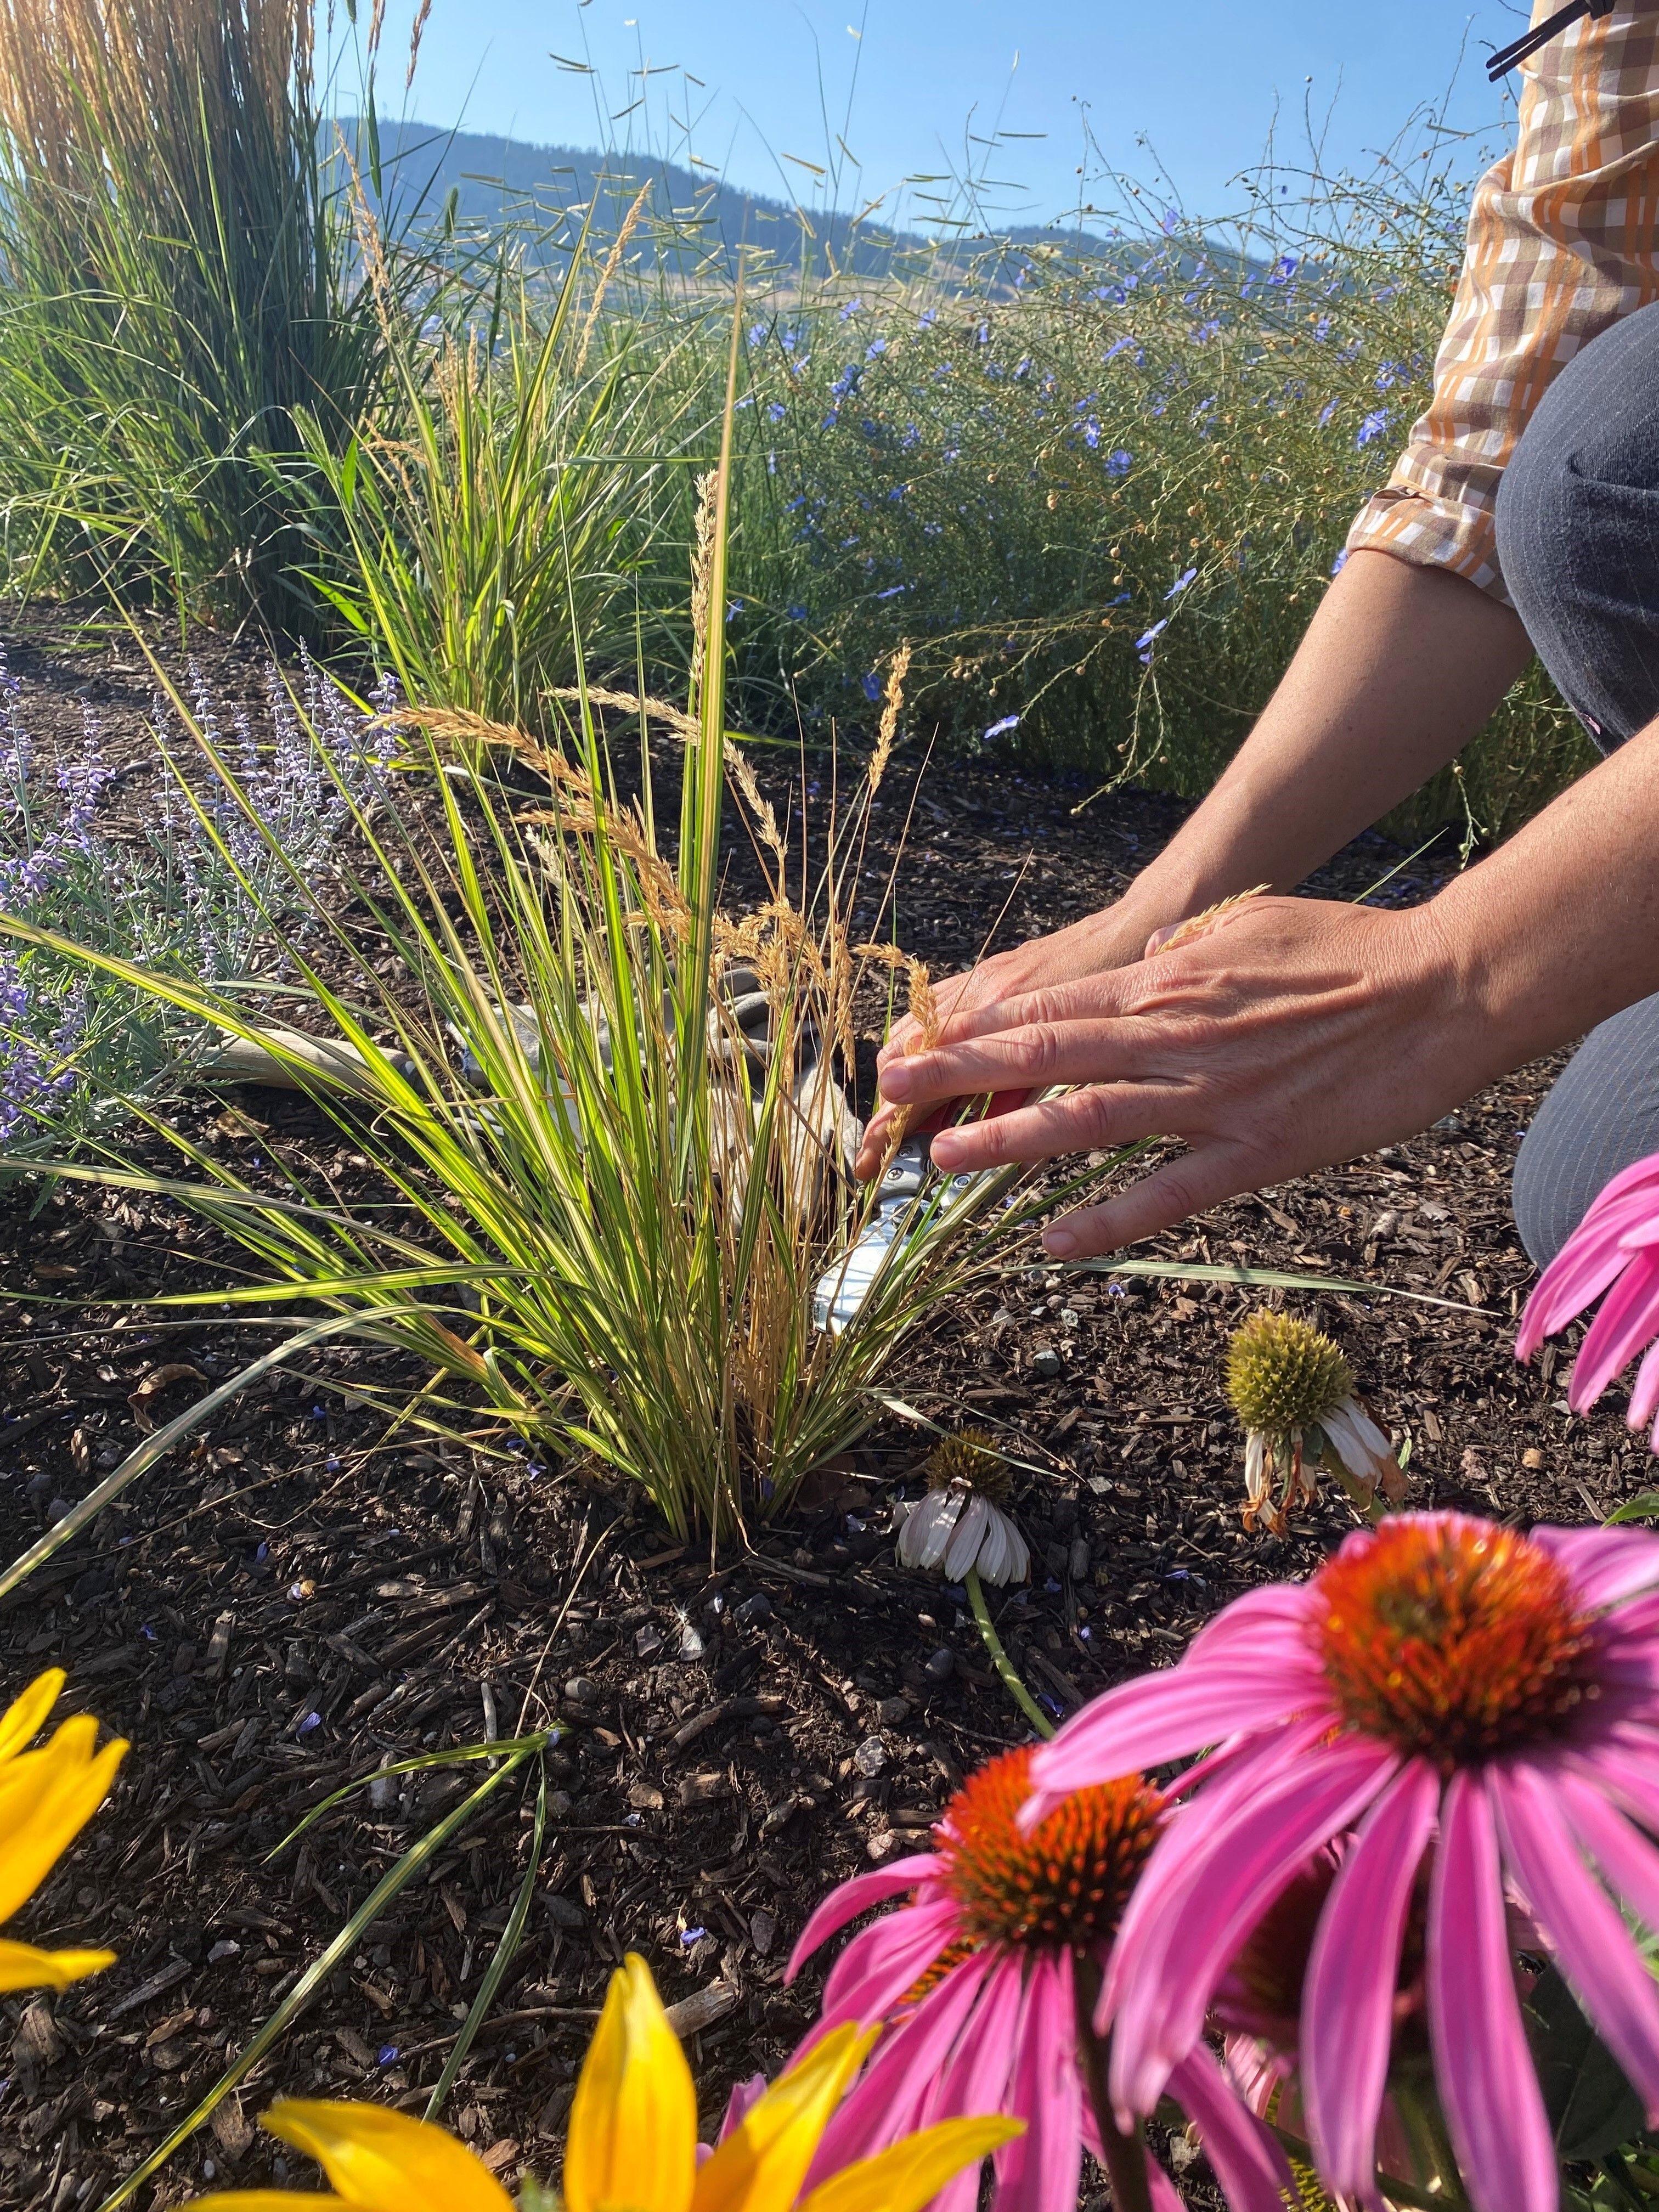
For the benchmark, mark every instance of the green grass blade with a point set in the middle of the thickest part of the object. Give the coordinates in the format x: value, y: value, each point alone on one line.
x: 1267, y: 1279
x: 391, y: 1885
x: 505, y: 1950
x: 157, y: 1446
x: 461, y: 1755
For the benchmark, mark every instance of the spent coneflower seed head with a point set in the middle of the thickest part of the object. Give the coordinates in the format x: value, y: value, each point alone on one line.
x: 972, y: 1457
x: 1282, y: 1374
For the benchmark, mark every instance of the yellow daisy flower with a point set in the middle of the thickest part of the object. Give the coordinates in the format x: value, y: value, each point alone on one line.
x: 46, y: 1798
x: 632, y: 2145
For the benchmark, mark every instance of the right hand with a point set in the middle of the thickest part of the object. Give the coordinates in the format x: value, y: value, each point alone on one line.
x: 1100, y: 941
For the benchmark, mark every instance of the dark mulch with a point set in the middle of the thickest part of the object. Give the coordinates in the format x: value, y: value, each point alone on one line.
x: 294, y: 1599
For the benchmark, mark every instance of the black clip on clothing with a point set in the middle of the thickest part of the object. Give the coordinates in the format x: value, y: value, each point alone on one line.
x: 1505, y: 59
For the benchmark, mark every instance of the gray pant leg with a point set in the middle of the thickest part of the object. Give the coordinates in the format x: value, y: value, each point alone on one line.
x: 1579, y: 544
x: 1602, y: 1117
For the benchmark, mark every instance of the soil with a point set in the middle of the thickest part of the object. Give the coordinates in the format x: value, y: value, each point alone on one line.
x: 297, y: 1599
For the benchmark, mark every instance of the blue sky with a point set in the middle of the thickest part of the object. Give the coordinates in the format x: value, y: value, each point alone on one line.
x: 1195, y: 84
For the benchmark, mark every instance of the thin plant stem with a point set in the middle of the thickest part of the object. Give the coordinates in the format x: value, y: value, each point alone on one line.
x: 999, y: 1659
x: 1124, y: 2152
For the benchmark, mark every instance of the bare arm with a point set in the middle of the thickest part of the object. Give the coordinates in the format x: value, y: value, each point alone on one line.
x: 1399, y: 669
x: 1299, y: 1032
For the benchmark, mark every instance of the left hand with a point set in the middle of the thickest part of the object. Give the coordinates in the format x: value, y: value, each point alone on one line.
x: 1291, y: 1034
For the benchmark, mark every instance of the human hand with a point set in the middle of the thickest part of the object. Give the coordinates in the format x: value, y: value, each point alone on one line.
x: 1289, y: 1034
x: 1107, y: 939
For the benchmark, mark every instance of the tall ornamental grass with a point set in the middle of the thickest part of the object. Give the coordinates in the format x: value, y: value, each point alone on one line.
x: 181, y: 275
x: 491, y: 510
x: 607, y: 1210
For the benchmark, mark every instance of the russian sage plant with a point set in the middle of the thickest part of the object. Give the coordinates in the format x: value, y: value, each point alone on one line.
x: 251, y: 814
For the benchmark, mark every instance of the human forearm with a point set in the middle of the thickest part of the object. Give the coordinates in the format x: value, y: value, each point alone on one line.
x: 1399, y: 667
x: 1560, y: 927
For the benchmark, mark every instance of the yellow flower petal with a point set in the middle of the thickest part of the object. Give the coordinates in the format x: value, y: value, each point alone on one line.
x: 268, y: 2200
x: 46, y: 1798
x: 912, y: 2173
x: 383, y: 2161
x: 23, y: 1967
x: 633, y: 2133
x: 21, y: 1721
x: 761, y: 2166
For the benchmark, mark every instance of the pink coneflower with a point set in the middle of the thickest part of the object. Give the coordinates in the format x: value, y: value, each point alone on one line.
x: 1615, y: 1248
x: 1441, y: 1684
x: 975, y: 1981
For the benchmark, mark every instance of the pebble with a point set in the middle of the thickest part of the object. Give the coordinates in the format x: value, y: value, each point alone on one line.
x: 1532, y: 1457
x: 647, y: 1641
x: 1077, y: 1563
x: 1045, y: 1362
x: 941, y: 1665
x: 753, y: 1610
x: 881, y: 1846
x: 893, y: 1712
x: 1069, y: 1317
x: 763, y: 1931
x: 691, y: 1645
x: 871, y: 1757
x: 565, y: 1913
x: 581, y: 1690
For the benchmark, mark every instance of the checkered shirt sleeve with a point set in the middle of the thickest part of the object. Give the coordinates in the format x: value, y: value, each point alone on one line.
x: 1561, y: 244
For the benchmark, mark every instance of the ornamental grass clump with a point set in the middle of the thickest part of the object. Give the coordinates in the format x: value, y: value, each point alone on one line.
x: 609, y: 1118
x: 185, y: 275
x: 1294, y: 1391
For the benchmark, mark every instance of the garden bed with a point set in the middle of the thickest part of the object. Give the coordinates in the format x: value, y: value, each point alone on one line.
x: 293, y: 1598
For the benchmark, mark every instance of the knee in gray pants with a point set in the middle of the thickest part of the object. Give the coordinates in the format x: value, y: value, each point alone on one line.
x: 1602, y: 1117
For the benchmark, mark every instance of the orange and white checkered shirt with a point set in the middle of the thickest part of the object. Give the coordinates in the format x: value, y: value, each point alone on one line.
x: 1561, y: 244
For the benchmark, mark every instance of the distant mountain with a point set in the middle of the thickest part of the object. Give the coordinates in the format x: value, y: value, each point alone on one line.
x: 487, y: 181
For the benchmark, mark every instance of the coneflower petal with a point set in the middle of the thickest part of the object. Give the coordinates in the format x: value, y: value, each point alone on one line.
x: 1211, y: 1877
x: 857, y: 1896
x: 1347, y: 2000
x: 889, y: 2097
x: 1607, y: 1564
x: 977, y: 2078
x: 1040, y: 2170
x: 1644, y: 1397
x: 1168, y: 1717
x: 1628, y: 1861
x: 1483, y: 2067
x: 1590, y: 1939
x: 1253, y: 2170
x: 962, y: 1550
x: 873, y: 1973
x: 1626, y: 1321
